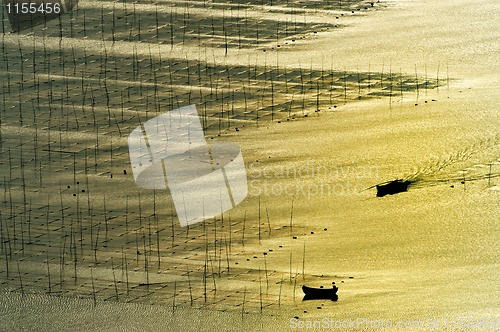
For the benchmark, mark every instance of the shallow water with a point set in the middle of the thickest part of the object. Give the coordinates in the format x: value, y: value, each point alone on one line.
x: 427, y: 257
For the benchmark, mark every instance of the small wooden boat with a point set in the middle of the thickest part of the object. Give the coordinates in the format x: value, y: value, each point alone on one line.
x: 312, y: 293
x: 392, y: 187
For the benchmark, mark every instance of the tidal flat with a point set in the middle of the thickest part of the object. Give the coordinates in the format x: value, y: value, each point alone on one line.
x: 326, y: 100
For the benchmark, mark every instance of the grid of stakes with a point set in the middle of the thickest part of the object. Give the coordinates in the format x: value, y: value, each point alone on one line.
x: 232, y: 24
x: 72, y: 221
x: 69, y: 88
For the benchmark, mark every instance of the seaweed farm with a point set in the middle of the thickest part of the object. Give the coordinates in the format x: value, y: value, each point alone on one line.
x: 74, y: 224
x: 244, y: 24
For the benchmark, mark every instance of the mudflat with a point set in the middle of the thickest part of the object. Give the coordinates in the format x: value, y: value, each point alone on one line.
x: 325, y: 100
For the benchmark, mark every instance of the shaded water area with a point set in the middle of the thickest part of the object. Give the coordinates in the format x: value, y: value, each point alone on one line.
x: 73, y: 224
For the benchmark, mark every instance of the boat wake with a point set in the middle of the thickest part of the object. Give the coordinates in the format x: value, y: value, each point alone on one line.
x: 479, y: 161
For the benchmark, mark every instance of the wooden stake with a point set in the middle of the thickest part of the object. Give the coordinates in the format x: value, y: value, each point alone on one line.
x: 93, y: 287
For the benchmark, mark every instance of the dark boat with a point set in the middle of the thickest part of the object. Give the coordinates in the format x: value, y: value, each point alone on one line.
x: 392, y: 187
x: 28, y: 14
x: 312, y: 293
